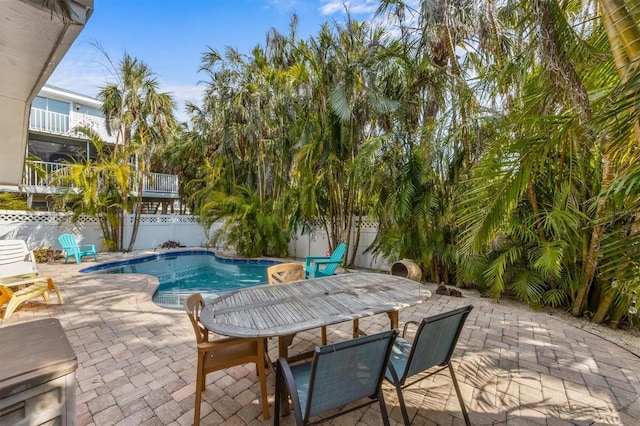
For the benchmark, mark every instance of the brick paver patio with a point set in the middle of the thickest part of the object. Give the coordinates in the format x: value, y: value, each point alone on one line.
x: 515, y: 367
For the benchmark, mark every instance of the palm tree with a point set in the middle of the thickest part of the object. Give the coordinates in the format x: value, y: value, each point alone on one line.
x: 495, y: 142
x: 9, y: 201
x: 97, y: 188
x: 344, y: 98
x: 139, y: 116
x: 428, y: 147
x: 619, y: 156
x: 540, y: 204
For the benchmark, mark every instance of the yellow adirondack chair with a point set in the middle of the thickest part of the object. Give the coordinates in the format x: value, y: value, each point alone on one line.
x: 19, y: 280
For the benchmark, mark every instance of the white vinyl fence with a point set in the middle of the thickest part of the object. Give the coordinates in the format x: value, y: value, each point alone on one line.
x: 41, y: 229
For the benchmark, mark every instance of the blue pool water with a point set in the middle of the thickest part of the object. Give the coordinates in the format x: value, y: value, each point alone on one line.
x: 183, y: 273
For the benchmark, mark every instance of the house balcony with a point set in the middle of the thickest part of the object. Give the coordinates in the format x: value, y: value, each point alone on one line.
x: 58, y: 124
x: 38, y: 176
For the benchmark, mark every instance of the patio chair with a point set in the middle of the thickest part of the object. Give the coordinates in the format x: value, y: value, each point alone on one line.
x: 72, y: 248
x: 338, y: 375
x: 215, y: 355
x: 324, y: 266
x: 432, y: 346
x: 18, y: 269
x: 287, y: 272
x: 16, y: 259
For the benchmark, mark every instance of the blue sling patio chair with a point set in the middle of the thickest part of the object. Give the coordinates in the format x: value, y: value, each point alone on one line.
x: 432, y: 346
x: 324, y: 266
x: 338, y: 375
x: 73, y: 249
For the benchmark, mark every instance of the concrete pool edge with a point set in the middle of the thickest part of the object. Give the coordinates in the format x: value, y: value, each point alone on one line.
x: 153, y: 283
x: 179, y: 252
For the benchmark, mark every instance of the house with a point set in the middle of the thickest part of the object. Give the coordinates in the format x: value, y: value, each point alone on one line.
x: 35, y: 36
x: 53, y: 142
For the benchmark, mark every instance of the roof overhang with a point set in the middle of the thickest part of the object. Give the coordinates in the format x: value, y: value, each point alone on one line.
x: 34, y: 40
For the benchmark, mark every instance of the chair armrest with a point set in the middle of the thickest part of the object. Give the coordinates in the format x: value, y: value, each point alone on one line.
x: 221, y: 343
x: 284, y: 375
x: 314, y: 259
x: 327, y: 262
x: 93, y: 247
x: 317, y: 257
x: 34, y: 280
x: 407, y: 324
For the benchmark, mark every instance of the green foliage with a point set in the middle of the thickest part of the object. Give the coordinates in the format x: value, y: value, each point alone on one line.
x: 494, y: 143
x: 97, y: 188
x: 141, y: 119
x: 250, y: 226
x: 10, y: 201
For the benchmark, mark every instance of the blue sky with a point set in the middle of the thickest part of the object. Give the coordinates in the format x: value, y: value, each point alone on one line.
x: 171, y: 35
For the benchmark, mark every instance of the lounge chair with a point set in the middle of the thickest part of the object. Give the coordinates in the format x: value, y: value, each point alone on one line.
x: 19, y: 280
x: 16, y: 259
x: 432, y: 346
x: 324, y: 266
x: 338, y: 375
x: 72, y: 248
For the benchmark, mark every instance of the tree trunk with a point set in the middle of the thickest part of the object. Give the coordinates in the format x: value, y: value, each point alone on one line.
x: 536, y: 211
x: 591, y: 261
x: 138, y: 210
x: 356, y: 241
x: 616, y: 14
x: 624, y: 38
x: 604, y: 306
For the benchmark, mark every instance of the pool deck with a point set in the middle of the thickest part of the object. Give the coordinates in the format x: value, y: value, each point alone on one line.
x: 515, y: 366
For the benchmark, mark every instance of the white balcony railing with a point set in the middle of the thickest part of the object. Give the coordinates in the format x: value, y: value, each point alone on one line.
x: 40, y: 174
x: 49, y: 122
x: 55, y: 123
x: 160, y: 182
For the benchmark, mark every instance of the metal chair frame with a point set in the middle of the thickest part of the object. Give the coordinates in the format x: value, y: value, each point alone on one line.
x: 419, y: 359
x: 314, y: 407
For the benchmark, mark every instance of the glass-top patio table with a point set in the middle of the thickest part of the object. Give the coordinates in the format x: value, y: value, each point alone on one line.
x: 284, y: 309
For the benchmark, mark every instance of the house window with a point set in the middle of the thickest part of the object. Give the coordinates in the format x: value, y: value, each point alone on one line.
x: 49, y: 115
x: 51, y: 105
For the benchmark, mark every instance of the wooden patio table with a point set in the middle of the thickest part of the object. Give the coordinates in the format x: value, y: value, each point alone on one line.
x: 284, y: 309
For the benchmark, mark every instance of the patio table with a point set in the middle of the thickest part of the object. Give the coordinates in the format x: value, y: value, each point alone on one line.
x: 284, y: 309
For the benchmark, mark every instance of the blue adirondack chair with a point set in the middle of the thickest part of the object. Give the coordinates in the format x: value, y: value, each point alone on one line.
x: 73, y: 249
x: 324, y: 266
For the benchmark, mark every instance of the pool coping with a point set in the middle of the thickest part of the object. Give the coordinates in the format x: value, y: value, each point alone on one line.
x: 153, y: 283
x: 145, y: 258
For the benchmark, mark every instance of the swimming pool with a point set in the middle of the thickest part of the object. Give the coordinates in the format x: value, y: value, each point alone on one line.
x: 186, y: 272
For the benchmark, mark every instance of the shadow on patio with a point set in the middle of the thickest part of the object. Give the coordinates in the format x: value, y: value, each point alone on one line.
x: 137, y: 364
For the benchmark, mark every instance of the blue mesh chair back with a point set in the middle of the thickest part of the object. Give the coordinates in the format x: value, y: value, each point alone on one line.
x: 433, y: 345
x: 338, y: 375
x: 435, y: 341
